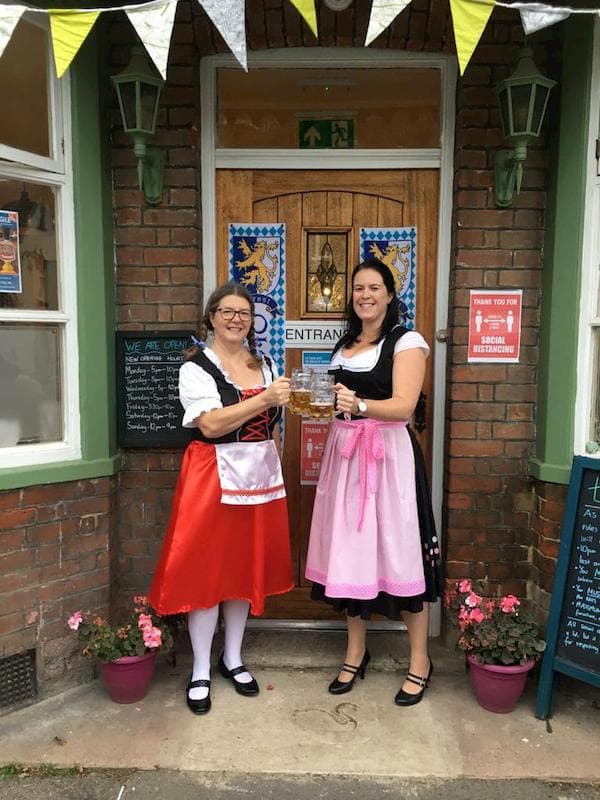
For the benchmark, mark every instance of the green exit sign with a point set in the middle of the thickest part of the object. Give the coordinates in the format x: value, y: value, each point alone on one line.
x: 326, y: 134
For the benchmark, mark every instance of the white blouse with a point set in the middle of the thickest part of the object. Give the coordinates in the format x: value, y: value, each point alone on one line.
x: 198, y: 390
x: 366, y: 360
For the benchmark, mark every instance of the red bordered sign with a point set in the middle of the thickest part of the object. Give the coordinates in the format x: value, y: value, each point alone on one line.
x: 495, y: 326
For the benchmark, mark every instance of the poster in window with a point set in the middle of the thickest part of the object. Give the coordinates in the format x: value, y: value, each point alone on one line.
x: 10, y: 262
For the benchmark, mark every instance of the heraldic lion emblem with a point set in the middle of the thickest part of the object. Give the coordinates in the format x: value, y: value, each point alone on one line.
x: 394, y: 257
x: 257, y: 273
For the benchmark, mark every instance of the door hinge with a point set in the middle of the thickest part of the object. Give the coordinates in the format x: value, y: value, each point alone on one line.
x: 598, y: 149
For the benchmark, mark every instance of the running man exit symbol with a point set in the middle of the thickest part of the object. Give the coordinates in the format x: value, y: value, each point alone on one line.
x: 326, y: 134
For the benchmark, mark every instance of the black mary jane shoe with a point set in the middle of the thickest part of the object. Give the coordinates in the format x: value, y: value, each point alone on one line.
x: 246, y: 689
x: 404, y: 698
x: 198, y: 706
x: 340, y: 687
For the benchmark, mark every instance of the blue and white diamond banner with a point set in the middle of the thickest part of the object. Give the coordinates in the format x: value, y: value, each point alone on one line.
x: 397, y: 248
x: 257, y: 261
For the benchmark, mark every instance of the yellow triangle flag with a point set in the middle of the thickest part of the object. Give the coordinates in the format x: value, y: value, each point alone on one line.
x: 307, y: 9
x: 69, y: 29
x: 469, y: 19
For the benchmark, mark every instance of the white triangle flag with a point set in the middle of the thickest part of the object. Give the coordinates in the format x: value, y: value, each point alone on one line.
x: 383, y: 13
x: 154, y: 26
x: 534, y: 19
x: 229, y: 18
x: 9, y: 16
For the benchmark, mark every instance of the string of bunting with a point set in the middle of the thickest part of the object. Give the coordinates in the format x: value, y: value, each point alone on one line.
x: 153, y: 22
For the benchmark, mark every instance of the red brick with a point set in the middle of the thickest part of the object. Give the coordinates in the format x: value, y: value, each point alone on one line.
x: 159, y: 256
x: 17, y: 518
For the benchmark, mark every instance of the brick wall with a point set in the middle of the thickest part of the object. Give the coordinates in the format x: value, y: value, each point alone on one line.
x: 489, y: 501
x: 550, y: 502
x: 54, y: 559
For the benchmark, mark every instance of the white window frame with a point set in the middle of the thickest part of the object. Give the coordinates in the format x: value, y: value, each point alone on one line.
x: 57, y: 173
x: 588, y: 370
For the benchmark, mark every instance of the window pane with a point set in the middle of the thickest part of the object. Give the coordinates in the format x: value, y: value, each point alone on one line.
x: 30, y: 281
x: 329, y: 108
x: 30, y: 394
x: 25, y: 120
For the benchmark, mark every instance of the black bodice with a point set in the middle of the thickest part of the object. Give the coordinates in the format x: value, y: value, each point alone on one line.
x: 259, y: 428
x: 376, y: 384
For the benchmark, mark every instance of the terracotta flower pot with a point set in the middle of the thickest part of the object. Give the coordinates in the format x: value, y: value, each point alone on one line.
x: 127, y: 679
x: 498, y: 688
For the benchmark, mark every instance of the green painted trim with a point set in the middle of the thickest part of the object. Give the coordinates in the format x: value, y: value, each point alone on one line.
x: 561, y: 279
x: 549, y: 473
x: 58, y: 473
x: 95, y: 283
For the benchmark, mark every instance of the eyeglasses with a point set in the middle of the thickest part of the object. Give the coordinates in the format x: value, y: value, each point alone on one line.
x: 229, y: 313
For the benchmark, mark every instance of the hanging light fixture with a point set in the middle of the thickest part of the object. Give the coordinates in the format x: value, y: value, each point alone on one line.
x: 523, y: 99
x: 326, y: 273
x: 138, y: 89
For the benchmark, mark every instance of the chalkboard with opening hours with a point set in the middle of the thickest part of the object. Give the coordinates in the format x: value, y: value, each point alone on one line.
x: 573, y: 633
x: 149, y: 413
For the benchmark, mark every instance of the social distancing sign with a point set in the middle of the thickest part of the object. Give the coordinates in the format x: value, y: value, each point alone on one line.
x: 495, y: 326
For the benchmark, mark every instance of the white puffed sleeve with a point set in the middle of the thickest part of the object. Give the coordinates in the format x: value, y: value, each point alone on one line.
x: 410, y: 341
x: 197, y: 392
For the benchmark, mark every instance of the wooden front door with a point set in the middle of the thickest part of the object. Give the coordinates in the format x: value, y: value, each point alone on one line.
x: 330, y: 200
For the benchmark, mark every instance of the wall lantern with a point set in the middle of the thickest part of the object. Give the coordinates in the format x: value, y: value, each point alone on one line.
x: 523, y: 98
x: 138, y: 88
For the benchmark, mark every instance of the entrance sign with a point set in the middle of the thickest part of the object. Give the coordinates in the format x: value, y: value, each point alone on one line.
x: 326, y: 134
x: 495, y: 326
x: 256, y: 255
x: 312, y: 444
x: 313, y: 335
x: 573, y: 636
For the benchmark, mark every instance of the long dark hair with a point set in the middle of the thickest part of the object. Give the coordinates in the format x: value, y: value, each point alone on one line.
x: 392, y: 315
x: 213, y: 302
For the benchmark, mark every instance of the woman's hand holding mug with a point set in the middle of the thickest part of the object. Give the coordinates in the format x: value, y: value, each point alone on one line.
x: 278, y: 393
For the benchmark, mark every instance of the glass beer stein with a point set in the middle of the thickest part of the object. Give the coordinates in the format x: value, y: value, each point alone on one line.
x: 322, y: 396
x: 300, y: 391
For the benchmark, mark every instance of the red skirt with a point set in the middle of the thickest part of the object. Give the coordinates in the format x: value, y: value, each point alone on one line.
x: 215, y: 552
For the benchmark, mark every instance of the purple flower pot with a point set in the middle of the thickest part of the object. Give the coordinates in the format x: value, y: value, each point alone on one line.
x: 127, y: 679
x: 498, y: 688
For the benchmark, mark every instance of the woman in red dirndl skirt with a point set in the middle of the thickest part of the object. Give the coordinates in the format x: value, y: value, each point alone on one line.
x: 228, y: 539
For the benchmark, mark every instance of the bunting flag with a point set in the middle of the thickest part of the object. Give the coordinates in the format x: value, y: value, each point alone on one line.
x: 308, y: 12
x: 8, y: 22
x: 534, y: 20
x: 469, y: 20
x: 154, y: 26
x: 229, y: 18
x: 69, y: 29
x: 383, y: 13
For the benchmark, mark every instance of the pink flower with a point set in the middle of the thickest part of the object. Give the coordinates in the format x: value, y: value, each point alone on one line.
x: 465, y: 586
x: 490, y: 605
x: 476, y: 615
x: 140, y: 600
x: 509, y: 604
x: 473, y: 600
x: 144, y: 621
x: 75, y: 620
x: 122, y: 632
x: 152, y: 636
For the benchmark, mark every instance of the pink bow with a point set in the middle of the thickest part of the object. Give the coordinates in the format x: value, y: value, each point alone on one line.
x: 366, y: 435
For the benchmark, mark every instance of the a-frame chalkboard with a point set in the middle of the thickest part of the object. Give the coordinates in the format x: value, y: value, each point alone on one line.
x: 573, y: 636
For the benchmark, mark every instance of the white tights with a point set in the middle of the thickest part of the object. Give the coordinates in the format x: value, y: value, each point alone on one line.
x: 201, y: 626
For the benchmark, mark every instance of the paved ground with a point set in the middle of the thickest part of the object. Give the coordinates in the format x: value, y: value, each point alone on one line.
x: 296, y: 738
x: 164, y: 785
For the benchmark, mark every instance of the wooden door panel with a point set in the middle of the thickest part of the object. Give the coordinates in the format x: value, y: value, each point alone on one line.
x: 330, y: 199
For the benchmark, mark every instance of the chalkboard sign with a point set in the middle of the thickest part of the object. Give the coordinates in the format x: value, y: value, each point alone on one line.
x: 149, y: 413
x: 573, y: 638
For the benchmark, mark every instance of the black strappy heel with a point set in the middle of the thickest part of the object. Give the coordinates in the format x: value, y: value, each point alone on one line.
x: 404, y: 698
x: 338, y: 687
